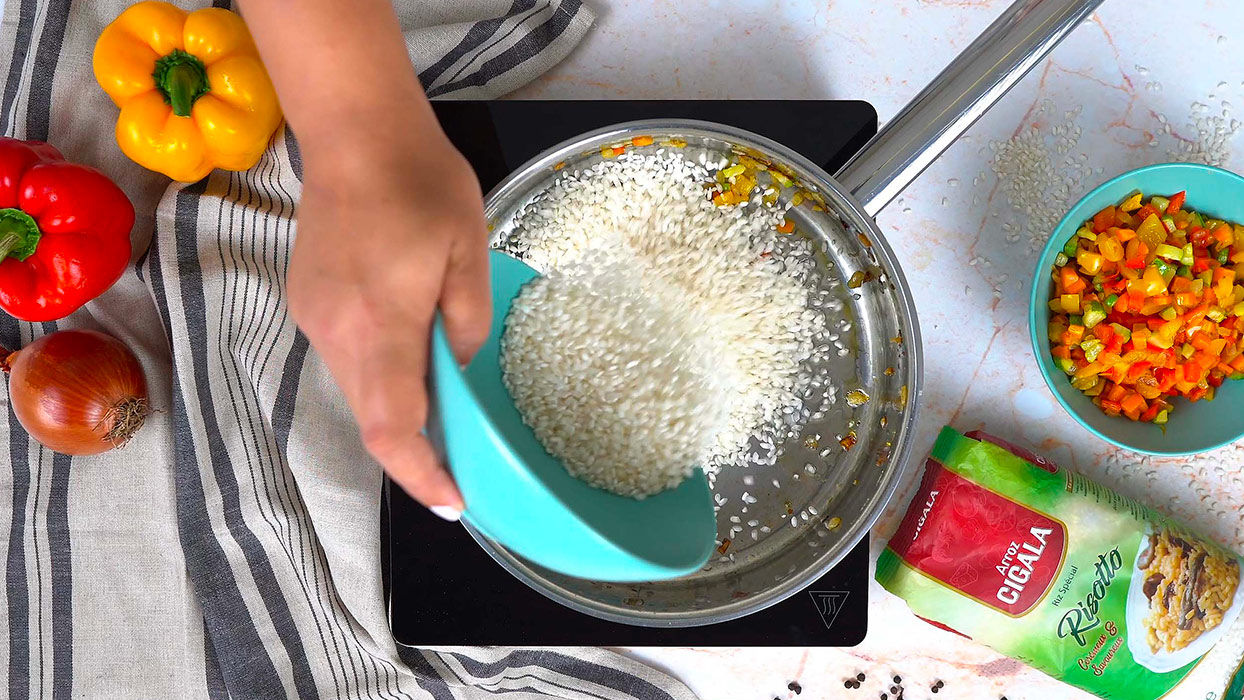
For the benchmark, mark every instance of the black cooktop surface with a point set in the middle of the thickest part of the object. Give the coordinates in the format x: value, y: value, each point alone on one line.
x: 442, y: 588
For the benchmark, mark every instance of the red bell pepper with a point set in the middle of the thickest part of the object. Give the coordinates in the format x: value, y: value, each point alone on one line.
x: 64, y: 232
x: 1176, y: 203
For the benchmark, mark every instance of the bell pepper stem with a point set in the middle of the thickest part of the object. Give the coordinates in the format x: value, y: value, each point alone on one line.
x: 181, y: 87
x: 19, y: 234
x: 182, y: 79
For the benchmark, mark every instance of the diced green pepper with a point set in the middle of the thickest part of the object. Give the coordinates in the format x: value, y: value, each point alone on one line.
x: 1169, y: 222
x: 1184, y: 271
x: 1163, y: 268
x: 1097, y: 388
x: 1222, y: 256
x: 1069, y: 248
x: 1066, y: 364
x: 1094, y: 314
x: 1112, y: 300
x: 1216, y: 314
x: 1186, y: 257
x: 1169, y: 314
x: 1076, y: 320
x: 1161, y: 418
x: 1092, y: 347
x: 1159, y: 203
x: 1187, y: 351
x: 1061, y: 260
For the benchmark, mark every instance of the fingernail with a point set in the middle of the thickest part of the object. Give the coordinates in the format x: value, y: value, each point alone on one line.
x: 446, y: 513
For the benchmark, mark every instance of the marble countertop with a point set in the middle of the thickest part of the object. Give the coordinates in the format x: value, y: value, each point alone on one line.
x: 1122, y: 78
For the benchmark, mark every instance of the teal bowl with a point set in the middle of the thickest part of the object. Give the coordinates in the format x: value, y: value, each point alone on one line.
x: 521, y: 497
x: 1193, y: 427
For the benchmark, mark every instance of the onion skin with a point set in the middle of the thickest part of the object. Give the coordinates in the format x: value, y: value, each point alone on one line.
x: 77, y: 392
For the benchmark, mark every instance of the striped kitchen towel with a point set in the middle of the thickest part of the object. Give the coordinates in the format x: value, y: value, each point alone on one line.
x: 232, y: 549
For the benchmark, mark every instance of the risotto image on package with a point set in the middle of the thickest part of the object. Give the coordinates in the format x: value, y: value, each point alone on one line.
x: 1063, y: 574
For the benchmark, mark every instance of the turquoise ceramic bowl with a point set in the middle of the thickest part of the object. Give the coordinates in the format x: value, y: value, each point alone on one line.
x: 524, y: 499
x: 1193, y: 427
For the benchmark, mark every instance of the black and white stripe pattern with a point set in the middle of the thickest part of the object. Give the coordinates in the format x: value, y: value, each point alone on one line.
x: 232, y: 550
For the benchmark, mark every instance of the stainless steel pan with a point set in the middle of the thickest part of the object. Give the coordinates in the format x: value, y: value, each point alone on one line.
x: 813, y: 516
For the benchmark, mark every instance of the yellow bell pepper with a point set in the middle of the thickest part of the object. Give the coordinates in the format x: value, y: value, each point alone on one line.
x: 193, y: 92
x: 1132, y: 203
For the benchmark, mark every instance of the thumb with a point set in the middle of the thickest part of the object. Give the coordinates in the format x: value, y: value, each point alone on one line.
x: 466, y: 297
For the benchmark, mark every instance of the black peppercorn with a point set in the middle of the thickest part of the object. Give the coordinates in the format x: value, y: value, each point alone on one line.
x: 860, y: 677
x: 794, y: 685
x: 935, y: 689
x: 898, y: 679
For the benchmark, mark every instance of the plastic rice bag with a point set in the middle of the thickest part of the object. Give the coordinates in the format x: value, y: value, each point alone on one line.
x: 1062, y: 573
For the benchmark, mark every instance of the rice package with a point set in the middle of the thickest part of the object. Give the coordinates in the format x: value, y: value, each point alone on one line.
x: 1050, y: 568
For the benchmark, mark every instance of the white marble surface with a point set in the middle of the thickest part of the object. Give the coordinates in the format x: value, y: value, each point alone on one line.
x: 980, y: 370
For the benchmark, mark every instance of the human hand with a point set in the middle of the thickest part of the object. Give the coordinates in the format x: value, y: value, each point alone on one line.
x: 387, y: 234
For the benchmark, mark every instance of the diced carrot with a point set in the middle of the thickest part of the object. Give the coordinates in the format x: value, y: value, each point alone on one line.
x: 1070, y: 281
x: 1133, y: 402
x: 1125, y: 235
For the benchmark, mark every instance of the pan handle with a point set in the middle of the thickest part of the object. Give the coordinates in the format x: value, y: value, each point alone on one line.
x: 958, y: 96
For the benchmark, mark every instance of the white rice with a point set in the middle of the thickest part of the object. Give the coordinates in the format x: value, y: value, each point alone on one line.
x: 643, y: 267
x: 615, y: 381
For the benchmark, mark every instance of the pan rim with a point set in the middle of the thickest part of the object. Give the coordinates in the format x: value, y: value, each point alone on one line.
x: 846, y: 207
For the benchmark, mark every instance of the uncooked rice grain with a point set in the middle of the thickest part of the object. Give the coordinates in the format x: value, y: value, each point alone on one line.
x: 713, y: 287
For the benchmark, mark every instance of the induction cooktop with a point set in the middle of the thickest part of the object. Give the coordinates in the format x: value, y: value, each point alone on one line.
x: 441, y: 587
